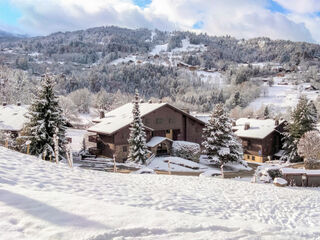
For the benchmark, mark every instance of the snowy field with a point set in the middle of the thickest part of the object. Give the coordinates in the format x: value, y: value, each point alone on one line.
x: 176, y: 164
x: 42, y: 200
x: 212, y: 77
x: 186, y: 47
x: 281, y: 97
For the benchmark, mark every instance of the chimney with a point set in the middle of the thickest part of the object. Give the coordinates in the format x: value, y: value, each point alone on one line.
x: 150, y: 101
x: 246, y: 126
x: 18, y: 103
x: 4, y: 104
x: 234, y: 124
x: 276, y: 122
x: 102, y: 114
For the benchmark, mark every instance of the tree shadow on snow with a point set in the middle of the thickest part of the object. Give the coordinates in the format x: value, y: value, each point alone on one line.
x: 46, y: 212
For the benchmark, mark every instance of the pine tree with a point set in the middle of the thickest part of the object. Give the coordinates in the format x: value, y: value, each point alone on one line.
x: 137, y: 139
x: 303, y: 119
x: 220, y: 97
x: 266, y: 113
x: 46, y: 119
x: 220, y: 143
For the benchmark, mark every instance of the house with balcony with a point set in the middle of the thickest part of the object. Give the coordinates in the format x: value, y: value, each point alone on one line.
x: 163, y: 123
x: 261, y: 138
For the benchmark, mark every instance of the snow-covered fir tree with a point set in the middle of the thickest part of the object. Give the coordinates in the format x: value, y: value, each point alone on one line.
x: 137, y: 140
x: 220, y: 143
x: 303, y: 119
x: 46, y: 119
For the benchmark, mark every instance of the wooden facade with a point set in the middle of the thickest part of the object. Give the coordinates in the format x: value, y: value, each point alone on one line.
x: 261, y: 149
x: 165, y: 121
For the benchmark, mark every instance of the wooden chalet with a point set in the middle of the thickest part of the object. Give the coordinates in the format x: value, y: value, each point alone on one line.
x: 163, y: 122
x: 261, y: 138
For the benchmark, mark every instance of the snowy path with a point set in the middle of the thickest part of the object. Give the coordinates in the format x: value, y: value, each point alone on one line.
x: 39, y: 200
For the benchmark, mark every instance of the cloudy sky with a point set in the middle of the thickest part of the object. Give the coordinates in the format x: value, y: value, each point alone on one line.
x: 297, y: 20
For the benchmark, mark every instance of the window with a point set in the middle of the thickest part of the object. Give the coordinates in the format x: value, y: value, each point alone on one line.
x: 248, y: 157
x: 159, y: 120
x: 124, y: 148
x: 168, y: 131
x: 253, y: 158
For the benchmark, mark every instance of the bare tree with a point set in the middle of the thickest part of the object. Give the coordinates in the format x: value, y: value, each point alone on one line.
x: 309, y: 148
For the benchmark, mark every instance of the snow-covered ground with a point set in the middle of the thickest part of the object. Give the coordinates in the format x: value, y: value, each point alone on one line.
x: 212, y: 77
x: 42, y: 200
x: 176, y: 164
x: 186, y: 47
x: 123, y: 60
x: 159, y: 49
x: 281, y: 97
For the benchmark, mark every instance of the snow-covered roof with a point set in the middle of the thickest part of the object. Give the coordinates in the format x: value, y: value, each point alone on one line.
x: 12, y: 117
x: 121, y: 117
x: 156, y: 140
x: 259, y: 128
x: 205, y: 117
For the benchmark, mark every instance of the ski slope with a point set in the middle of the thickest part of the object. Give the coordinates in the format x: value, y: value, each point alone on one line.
x: 42, y: 200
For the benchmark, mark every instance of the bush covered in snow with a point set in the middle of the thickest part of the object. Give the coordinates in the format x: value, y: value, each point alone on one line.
x: 186, y: 150
x: 267, y: 174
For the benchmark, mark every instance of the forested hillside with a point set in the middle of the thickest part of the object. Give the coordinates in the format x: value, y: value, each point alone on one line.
x: 190, y: 69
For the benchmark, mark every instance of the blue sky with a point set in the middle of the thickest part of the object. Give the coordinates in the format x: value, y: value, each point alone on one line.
x: 142, y: 3
x: 275, y: 7
x: 8, y: 13
x: 297, y: 20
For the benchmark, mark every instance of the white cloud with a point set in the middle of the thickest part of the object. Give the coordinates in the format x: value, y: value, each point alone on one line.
x: 242, y: 19
x: 300, y: 6
x: 44, y: 17
x: 312, y: 22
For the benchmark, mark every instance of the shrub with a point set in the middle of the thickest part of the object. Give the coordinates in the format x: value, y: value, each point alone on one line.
x: 187, y: 150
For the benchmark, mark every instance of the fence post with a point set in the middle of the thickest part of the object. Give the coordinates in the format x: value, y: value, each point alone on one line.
x: 114, y: 163
x: 222, y: 173
x: 28, y: 149
x: 169, y: 170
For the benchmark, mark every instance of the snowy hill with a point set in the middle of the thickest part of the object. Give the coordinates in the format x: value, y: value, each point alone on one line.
x: 283, y: 95
x: 41, y: 200
x: 7, y: 36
